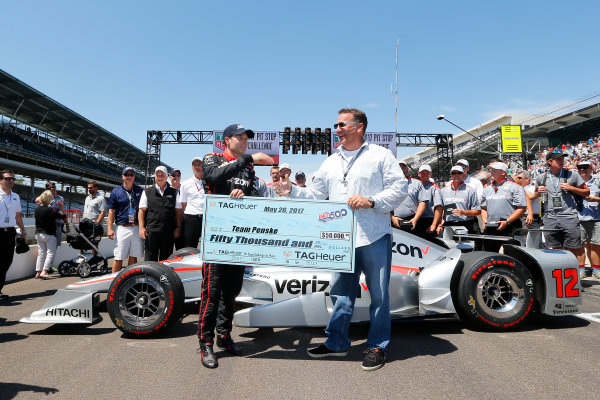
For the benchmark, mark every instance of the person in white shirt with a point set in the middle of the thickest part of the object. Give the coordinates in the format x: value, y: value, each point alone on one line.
x: 368, y: 178
x: 192, y: 202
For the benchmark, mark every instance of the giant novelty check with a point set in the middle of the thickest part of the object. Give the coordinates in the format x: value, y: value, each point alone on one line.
x: 260, y: 232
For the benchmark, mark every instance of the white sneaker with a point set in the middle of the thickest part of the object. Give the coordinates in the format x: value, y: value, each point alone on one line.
x: 596, y: 273
x: 582, y: 274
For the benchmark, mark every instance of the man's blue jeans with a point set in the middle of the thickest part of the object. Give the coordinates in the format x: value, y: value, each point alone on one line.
x: 375, y: 262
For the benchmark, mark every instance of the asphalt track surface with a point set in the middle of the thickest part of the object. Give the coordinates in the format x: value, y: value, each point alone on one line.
x: 551, y: 358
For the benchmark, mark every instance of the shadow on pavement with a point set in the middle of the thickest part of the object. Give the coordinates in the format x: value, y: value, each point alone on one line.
x: 11, y: 390
x: 11, y: 337
x: 18, y: 299
x: 409, y: 339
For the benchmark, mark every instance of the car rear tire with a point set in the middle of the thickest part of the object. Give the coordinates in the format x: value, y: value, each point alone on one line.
x: 145, y: 299
x: 495, y: 292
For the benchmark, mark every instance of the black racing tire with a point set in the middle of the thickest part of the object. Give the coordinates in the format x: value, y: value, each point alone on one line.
x: 495, y: 292
x: 84, y: 269
x: 145, y: 299
x: 186, y: 251
x: 65, y: 268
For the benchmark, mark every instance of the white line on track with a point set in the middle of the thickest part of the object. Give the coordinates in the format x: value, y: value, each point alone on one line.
x: 594, y: 317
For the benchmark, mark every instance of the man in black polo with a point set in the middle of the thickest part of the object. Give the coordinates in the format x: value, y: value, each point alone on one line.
x: 159, y: 217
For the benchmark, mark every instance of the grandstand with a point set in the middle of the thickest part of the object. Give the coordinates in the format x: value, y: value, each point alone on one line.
x: 482, y: 143
x: 41, y: 140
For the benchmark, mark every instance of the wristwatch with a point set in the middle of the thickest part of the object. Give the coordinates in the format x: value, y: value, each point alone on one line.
x: 371, y: 201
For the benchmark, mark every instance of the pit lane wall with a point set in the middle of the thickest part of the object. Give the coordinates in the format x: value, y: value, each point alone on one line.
x: 23, y: 265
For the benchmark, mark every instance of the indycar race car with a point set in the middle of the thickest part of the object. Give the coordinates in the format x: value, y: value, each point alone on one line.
x: 495, y: 291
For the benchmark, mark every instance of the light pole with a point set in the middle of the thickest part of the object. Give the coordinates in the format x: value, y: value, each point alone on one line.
x: 443, y: 117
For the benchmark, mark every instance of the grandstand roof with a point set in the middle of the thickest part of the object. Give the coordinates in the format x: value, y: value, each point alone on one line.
x: 573, y: 120
x: 31, y: 107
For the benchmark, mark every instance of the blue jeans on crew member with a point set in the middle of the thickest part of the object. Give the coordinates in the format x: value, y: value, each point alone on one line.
x: 374, y: 261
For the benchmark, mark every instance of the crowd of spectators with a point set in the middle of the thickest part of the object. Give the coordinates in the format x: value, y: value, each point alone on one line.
x: 33, y: 144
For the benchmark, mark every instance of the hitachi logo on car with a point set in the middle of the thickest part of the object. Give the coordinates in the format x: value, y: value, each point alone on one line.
x: 329, y: 216
x: 65, y: 312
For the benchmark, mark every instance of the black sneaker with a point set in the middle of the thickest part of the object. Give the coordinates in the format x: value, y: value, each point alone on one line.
x: 209, y: 360
x: 374, y: 359
x: 323, y: 351
x: 226, y: 343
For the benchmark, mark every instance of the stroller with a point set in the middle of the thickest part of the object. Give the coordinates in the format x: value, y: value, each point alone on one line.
x: 86, y: 237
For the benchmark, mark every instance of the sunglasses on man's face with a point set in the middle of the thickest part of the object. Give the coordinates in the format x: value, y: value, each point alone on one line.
x: 343, y: 124
x: 583, y: 167
x: 176, y: 176
x: 9, y: 178
x: 129, y: 174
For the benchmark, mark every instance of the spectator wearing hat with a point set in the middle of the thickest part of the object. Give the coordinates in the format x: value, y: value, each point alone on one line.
x: 191, y: 195
x: 159, y: 217
x: 556, y: 188
x: 589, y: 219
x: 10, y: 215
x: 46, y: 218
x: 123, y: 205
x: 469, y: 180
x: 175, y: 179
x: 228, y: 173
x: 532, y: 217
x: 502, y: 207
x: 275, y: 176
x: 413, y: 206
x: 432, y: 216
x: 284, y: 170
x: 300, y: 179
x: 461, y: 205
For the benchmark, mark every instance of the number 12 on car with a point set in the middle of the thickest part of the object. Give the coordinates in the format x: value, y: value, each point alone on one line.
x: 566, y: 279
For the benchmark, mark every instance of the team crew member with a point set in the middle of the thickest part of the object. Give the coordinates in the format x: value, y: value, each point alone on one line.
x: 560, y: 208
x: 368, y: 178
x: 300, y: 179
x: 432, y: 217
x: 462, y: 199
x: 413, y: 206
x: 503, y: 203
x: 160, y: 217
x: 532, y: 213
x: 274, y: 175
x: 589, y: 218
x: 192, y: 204
x: 228, y: 173
x: 175, y: 178
x: 471, y: 181
x: 123, y: 210
x: 95, y: 204
x: 10, y: 215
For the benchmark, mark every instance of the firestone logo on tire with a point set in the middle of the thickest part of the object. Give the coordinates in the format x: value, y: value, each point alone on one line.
x: 332, y: 215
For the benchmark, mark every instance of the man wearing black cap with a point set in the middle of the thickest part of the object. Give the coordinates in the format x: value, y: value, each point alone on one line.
x: 228, y: 173
x: 300, y: 179
x: 123, y: 210
x: 192, y: 202
x: 556, y: 188
x: 175, y: 178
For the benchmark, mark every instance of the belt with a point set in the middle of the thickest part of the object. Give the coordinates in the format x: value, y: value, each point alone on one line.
x: 127, y: 225
x: 194, y: 215
x: 7, y: 229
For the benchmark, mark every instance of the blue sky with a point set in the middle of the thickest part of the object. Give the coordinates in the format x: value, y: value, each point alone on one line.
x: 130, y: 66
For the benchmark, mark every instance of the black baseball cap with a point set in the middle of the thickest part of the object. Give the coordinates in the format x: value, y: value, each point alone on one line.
x: 237, y: 129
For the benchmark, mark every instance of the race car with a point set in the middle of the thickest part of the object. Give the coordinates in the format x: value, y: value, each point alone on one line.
x: 494, y: 291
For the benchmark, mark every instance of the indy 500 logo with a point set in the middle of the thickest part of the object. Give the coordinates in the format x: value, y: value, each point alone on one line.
x: 331, y: 215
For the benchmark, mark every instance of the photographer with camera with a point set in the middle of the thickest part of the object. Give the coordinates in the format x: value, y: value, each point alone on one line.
x: 557, y: 189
